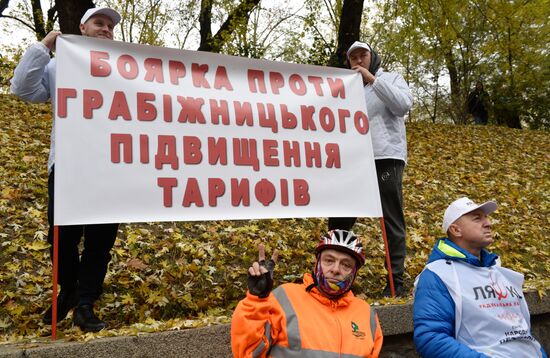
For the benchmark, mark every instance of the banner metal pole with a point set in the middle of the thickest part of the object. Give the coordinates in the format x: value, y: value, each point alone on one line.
x: 54, y: 285
x: 388, y: 261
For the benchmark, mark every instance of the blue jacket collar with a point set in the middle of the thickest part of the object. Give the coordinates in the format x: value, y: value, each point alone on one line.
x: 445, y: 249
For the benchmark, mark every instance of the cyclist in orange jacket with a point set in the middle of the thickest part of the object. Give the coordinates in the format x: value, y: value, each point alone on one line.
x: 320, y: 317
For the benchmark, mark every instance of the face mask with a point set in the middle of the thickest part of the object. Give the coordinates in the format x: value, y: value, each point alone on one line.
x: 333, y: 290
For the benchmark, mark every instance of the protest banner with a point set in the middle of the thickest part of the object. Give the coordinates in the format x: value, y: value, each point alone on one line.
x: 146, y: 133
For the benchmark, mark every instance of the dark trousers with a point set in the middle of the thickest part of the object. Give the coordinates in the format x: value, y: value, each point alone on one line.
x: 84, y: 273
x: 390, y: 185
x: 480, y: 118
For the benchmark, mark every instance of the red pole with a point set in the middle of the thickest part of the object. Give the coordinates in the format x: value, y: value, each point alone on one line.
x: 388, y: 262
x: 54, y: 288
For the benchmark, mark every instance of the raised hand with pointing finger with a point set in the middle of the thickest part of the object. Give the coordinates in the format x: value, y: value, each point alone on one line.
x: 260, y: 273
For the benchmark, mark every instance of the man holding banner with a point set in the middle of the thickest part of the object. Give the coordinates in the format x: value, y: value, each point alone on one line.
x: 81, y: 278
x: 150, y: 133
x: 388, y: 100
x: 320, y: 317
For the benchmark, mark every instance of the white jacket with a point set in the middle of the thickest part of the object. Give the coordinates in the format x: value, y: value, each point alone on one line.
x: 34, y: 81
x: 388, y: 100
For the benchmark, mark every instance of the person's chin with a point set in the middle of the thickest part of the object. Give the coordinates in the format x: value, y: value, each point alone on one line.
x: 488, y: 240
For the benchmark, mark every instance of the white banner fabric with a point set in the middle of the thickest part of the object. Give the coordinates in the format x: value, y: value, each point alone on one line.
x: 147, y: 133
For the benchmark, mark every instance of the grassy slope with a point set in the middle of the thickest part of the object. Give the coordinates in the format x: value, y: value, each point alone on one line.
x: 190, y: 274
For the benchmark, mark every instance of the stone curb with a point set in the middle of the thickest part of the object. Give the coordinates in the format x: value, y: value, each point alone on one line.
x: 215, y: 341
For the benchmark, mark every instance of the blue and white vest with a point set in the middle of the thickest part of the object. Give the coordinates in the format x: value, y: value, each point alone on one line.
x: 491, y: 315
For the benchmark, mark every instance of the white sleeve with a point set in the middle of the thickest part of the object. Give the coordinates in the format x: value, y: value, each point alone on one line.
x: 30, y: 80
x: 394, y: 92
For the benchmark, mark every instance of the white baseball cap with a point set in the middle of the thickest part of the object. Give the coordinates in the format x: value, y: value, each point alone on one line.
x: 356, y: 45
x: 463, y: 206
x: 110, y: 13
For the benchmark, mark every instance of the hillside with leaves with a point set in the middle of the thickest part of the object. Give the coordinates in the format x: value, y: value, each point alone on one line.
x: 189, y: 274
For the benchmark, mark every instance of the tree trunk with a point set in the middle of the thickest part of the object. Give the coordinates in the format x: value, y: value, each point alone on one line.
x: 513, y: 120
x: 38, y: 19
x: 456, y: 98
x: 239, y: 15
x: 3, y: 5
x: 348, y: 31
x: 70, y: 12
x: 205, y: 23
x: 436, y: 98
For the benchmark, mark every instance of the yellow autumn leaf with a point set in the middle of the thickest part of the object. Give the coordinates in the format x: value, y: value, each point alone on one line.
x: 127, y: 299
x: 190, y: 274
x: 37, y: 245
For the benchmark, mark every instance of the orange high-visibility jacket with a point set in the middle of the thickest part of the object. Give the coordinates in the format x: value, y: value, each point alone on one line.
x: 292, y: 322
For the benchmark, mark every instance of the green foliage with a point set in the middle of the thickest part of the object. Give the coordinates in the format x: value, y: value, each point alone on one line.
x: 500, y: 43
x: 320, y: 52
x: 286, y: 32
x: 143, y: 22
x: 442, y: 48
x: 270, y: 33
x: 7, y: 65
x: 247, y: 40
x: 189, y: 274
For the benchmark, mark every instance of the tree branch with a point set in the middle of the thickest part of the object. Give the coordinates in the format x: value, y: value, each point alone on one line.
x: 241, y: 13
x: 18, y: 20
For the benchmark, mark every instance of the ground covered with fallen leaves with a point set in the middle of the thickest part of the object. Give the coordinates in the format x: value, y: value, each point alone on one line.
x: 189, y: 274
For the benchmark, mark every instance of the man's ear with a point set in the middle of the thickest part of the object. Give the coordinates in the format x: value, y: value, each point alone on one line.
x: 81, y: 26
x: 454, y: 230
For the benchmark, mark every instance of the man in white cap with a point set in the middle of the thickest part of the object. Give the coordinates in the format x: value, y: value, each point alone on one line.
x: 466, y: 304
x: 81, y: 277
x: 388, y: 100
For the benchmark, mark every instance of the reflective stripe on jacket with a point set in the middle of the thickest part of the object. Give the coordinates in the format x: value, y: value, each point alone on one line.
x: 292, y: 322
